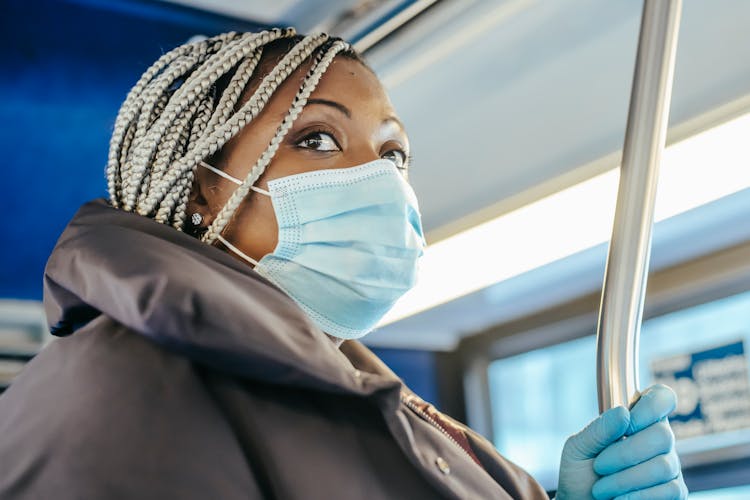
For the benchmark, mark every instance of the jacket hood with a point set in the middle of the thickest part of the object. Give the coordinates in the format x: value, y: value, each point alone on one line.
x: 194, y: 299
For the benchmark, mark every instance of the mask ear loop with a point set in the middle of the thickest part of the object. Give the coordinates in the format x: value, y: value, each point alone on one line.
x: 239, y: 253
x: 230, y: 178
x: 219, y: 237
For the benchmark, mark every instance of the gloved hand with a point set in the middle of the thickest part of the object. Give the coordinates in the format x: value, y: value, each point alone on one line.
x: 597, y: 463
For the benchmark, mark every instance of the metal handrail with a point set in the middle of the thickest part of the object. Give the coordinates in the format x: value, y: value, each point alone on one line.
x: 625, y: 277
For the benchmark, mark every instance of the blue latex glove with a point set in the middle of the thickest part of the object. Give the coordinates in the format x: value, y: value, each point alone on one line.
x: 597, y: 463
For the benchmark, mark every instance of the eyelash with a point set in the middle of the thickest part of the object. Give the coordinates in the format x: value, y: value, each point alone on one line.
x: 309, y: 134
x: 408, y: 161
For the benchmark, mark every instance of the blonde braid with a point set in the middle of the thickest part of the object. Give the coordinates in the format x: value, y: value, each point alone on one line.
x: 156, y: 134
x: 211, y: 143
x: 180, y: 113
x: 146, y: 107
x: 123, y: 132
x: 204, y: 123
x: 154, y: 100
x: 174, y: 143
x: 137, y: 136
x: 161, y: 104
x: 198, y: 127
x: 233, y: 92
x: 310, y: 83
x: 222, y: 62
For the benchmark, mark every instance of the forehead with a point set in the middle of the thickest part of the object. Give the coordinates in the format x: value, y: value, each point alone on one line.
x: 349, y: 79
x: 346, y: 81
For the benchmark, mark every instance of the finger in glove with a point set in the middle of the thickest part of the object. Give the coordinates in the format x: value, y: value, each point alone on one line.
x: 655, y: 403
x: 600, y: 433
x: 658, y: 470
x: 673, y: 490
x: 656, y: 439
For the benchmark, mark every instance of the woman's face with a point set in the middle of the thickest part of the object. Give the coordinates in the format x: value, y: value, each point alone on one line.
x: 347, y: 121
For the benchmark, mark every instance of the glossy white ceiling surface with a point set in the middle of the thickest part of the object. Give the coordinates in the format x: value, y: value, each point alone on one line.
x: 499, y: 97
x: 264, y: 12
x: 304, y: 15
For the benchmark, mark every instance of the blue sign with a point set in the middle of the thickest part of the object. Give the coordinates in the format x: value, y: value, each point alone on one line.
x: 713, y: 389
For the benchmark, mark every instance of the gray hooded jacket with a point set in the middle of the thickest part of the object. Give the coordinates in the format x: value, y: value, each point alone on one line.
x: 181, y: 373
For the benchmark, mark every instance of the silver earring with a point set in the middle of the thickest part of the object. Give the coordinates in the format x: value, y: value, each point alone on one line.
x: 196, y: 219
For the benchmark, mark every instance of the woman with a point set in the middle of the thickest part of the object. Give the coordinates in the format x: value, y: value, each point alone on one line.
x: 218, y: 360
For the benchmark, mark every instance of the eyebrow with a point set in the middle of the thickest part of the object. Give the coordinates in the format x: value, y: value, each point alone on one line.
x: 332, y: 104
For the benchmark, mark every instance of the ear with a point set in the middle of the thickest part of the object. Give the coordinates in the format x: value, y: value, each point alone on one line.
x: 201, y: 196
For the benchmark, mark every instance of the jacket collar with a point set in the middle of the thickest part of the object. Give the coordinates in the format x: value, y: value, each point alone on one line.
x: 194, y: 299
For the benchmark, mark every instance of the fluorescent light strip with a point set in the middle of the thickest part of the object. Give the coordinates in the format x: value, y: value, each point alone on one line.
x: 696, y: 171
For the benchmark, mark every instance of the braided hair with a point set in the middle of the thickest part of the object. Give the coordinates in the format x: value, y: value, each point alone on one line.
x: 186, y: 107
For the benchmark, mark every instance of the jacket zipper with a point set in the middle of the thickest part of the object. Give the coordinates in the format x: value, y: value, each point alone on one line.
x: 432, y: 422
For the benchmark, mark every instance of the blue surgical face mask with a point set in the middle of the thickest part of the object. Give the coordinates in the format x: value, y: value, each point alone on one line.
x: 349, y: 241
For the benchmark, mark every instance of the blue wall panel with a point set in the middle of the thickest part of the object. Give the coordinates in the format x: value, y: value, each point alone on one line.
x: 66, y: 67
x: 416, y: 368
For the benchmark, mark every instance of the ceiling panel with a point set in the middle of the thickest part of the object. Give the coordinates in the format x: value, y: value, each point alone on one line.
x: 262, y: 11
x: 304, y: 15
x: 499, y: 97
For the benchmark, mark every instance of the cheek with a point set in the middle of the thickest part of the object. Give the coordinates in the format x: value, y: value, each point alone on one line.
x: 253, y: 228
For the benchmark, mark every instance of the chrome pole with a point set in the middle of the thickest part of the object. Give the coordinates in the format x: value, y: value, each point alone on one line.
x: 625, y: 277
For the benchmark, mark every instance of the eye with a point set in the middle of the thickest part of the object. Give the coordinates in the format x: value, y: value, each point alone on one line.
x: 398, y: 157
x: 319, y: 141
